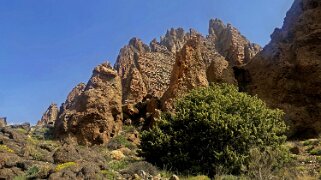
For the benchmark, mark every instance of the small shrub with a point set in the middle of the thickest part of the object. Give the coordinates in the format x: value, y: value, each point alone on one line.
x: 22, y: 131
x: 5, y: 148
x: 136, y: 167
x: 22, y: 177
x: 109, y: 174
x: 228, y: 177
x: 316, y: 151
x: 60, y: 167
x: 119, y: 142
x: 310, y: 142
x: 35, y: 153
x: 129, y: 128
x: 200, y: 177
x: 32, y: 172
x: 118, y: 165
x: 266, y: 164
x: 212, y: 127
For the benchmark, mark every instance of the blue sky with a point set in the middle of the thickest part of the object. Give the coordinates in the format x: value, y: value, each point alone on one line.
x: 49, y: 46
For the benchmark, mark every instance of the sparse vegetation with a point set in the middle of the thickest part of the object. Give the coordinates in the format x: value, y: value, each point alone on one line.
x: 213, y: 127
x: 5, y: 148
x: 136, y: 167
x: 32, y: 172
x: 316, y: 151
x: 119, y: 142
x: 109, y: 174
x: 60, y: 167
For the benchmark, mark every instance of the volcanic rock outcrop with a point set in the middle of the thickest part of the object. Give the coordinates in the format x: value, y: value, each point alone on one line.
x: 50, y: 116
x: 179, y: 62
x: 287, y: 73
x: 231, y: 44
x: 72, y: 96
x: 211, y: 59
x: 95, y: 114
x: 192, y: 70
x: 148, y: 69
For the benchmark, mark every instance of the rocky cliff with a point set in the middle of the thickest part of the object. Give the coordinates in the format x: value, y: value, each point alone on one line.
x: 147, y: 69
x: 287, y: 73
x: 50, y: 116
x: 164, y: 70
x: 203, y: 60
x: 94, y: 114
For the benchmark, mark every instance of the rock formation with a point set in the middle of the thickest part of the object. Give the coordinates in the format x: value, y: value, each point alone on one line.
x: 3, y: 122
x: 287, y: 73
x: 147, y: 69
x: 50, y: 116
x: 179, y: 62
x: 211, y: 59
x: 231, y: 44
x: 95, y: 115
x: 72, y: 96
x: 144, y: 69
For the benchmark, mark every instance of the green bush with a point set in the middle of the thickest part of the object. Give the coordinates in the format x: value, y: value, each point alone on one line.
x: 213, y: 127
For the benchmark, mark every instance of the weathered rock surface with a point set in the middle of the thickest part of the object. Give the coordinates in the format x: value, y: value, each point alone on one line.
x: 95, y: 115
x: 50, y: 116
x: 197, y: 64
x: 231, y: 44
x: 287, y: 73
x: 143, y: 69
x: 3, y: 122
x: 164, y: 70
x: 147, y: 69
x: 72, y: 96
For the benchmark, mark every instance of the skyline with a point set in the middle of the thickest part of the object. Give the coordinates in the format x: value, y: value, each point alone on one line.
x: 49, y: 47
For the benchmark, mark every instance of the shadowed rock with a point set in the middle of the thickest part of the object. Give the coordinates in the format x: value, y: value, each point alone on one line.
x: 287, y: 73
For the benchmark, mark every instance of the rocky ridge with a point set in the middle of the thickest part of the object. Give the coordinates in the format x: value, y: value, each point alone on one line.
x: 151, y: 77
x: 147, y: 69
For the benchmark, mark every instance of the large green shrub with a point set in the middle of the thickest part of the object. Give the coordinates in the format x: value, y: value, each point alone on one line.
x: 213, y: 128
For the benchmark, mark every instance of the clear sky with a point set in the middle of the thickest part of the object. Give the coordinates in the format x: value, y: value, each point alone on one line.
x: 49, y: 46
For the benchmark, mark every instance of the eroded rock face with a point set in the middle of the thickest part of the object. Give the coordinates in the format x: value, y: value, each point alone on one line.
x: 147, y: 69
x: 72, y: 96
x: 197, y: 64
x: 50, y: 116
x: 287, y: 73
x: 231, y: 44
x: 143, y: 69
x: 95, y: 115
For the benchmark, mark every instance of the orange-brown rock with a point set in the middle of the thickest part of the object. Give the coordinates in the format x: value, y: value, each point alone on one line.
x: 197, y: 64
x: 287, y: 73
x: 231, y: 44
x: 50, y: 116
x: 96, y: 114
x: 72, y: 96
x: 145, y: 69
